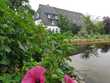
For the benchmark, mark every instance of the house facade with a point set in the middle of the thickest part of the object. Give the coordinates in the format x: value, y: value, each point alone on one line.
x: 49, y: 17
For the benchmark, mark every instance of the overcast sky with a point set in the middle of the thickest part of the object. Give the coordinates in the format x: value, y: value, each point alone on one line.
x: 87, y: 7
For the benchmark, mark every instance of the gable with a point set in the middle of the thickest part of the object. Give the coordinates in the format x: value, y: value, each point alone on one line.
x: 45, y: 10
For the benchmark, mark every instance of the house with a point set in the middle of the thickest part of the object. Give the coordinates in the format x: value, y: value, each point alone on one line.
x: 49, y: 17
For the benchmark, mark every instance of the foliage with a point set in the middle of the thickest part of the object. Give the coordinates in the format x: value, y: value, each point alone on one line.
x: 20, y: 5
x: 91, y: 27
x: 99, y: 27
x: 16, y: 35
x: 19, y: 39
x: 66, y: 68
x: 15, y: 4
x: 66, y: 25
x: 10, y: 78
x: 106, y: 21
x: 55, y: 55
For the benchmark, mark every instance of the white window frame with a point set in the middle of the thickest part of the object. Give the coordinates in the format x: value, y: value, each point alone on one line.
x: 53, y: 22
x: 56, y: 17
x: 49, y: 16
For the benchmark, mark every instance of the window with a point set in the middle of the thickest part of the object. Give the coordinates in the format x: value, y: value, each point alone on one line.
x: 56, y: 17
x: 49, y: 16
x: 53, y: 22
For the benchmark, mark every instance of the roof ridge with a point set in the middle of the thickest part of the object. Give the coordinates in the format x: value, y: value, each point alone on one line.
x: 60, y: 9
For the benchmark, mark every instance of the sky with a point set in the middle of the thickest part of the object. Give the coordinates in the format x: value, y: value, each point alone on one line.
x: 95, y: 8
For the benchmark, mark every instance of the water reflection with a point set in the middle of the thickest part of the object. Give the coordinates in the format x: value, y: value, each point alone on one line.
x: 95, y: 69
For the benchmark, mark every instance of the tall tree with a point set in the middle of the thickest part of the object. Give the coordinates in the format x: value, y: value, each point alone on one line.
x: 107, y: 25
x: 91, y: 27
x: 20, y: 5
x: 15, y: 4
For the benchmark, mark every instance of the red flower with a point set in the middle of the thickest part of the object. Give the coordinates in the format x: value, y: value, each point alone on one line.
x: 68, y: 79
x: 35, y: 74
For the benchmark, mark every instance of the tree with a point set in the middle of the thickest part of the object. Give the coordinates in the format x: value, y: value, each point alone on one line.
x: 106, y: 21
x: 21, y: 5
x: 91, y: 27
x: 15, y: 4
x: 65, y: 25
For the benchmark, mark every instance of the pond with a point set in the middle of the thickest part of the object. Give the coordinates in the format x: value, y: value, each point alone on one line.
x: 96, y: 69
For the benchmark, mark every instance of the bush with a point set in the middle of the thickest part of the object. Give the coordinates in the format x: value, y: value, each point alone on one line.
x: 91, y: 27
x: 18, y: 34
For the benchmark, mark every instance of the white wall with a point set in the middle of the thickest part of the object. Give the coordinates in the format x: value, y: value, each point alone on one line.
x: 37, y: 22
x: 54, y: 29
